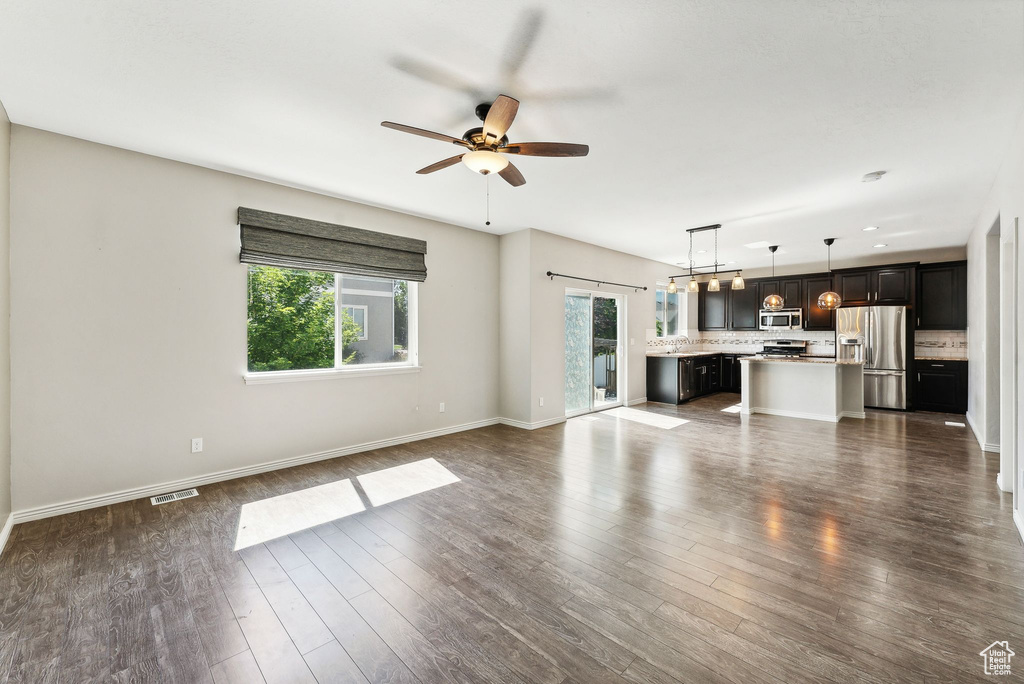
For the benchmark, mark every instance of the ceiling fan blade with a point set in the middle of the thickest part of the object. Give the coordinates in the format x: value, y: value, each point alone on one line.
x: 425, y: 133
x: 443, y: 164
x: 438, y: 75
x: 546, y: 149
x: 512, y: 175
x: 500, y: 116
x: 520, y: 42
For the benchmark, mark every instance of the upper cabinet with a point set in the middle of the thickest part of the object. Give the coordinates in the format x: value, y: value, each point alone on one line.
x: 815, y: 318
x: 866, y: 287
x: 744, y: 306
x: 883, y: 285
x: 791, y: 290
x: 713, y: 308
x: 942, y: 296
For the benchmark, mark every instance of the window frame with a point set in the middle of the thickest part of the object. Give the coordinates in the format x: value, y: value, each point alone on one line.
x: 366, y: 319
x: 662, y: 287
x: 410, y: 365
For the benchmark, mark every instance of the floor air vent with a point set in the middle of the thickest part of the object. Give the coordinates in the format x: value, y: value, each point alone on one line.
x: 175, y: 496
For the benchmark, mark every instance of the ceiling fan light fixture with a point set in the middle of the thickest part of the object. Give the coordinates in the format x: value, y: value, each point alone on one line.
x: 484, y: 161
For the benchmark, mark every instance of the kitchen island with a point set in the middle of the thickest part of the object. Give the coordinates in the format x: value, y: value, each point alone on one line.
x: 816, y: 388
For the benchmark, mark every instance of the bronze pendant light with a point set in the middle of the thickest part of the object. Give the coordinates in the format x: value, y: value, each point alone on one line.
x: 773, y: 302
x: 829, y: 301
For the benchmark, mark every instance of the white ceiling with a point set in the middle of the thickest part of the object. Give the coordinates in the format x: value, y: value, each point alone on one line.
x: 760, y: 115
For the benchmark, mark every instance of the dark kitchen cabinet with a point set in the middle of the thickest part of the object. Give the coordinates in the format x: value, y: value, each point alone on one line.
x: 815, y: 318
x: 791, y: 290
x: 713, y: 308
x: 892, y: 285
x: 942, y: 296
x: 744, y: 306
x: 941, y: 386
x: 731, y: 374
x: 855, y: 289
x: 714, y: 365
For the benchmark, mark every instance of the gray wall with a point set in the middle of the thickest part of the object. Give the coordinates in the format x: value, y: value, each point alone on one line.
x: 128, y: 310
x: 5, y: 317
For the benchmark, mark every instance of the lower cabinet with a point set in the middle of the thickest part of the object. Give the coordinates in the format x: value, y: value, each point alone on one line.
x: 673, y: 379
x: 940, y: 386
x: 731, y: 374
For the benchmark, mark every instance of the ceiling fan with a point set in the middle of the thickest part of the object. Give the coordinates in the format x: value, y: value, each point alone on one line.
x: 486, y: 142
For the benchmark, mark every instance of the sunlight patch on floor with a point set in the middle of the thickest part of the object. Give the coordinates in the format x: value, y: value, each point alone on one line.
x: 279, y: 516
x: 392, y: 484
x: 735, y: 408
x: 261, y: 521
x: 652, y: 419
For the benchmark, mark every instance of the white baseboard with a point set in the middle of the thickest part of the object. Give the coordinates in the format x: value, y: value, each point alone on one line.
x: 634, y: 402
x: 523, y: 425
x: 794, y: 414
x: 853, y: 414
x: 5, y: 533
x: 52, y: 510
x: 985, y: 446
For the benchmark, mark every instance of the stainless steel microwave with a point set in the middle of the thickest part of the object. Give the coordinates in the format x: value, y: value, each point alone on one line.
x: 786, y: 319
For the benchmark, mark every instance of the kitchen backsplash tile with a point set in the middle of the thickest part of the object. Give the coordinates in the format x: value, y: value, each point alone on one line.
x: 940, y: 344
x: 743, y: 342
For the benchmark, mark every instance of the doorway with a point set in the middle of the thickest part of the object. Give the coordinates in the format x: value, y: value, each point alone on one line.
x: 594, y: 363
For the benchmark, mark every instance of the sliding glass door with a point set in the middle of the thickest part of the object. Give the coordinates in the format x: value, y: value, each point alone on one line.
x: 594, y: 363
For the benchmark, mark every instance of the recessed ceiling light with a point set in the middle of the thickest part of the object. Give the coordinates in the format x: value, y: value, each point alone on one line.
x: 872, y: 177
x: 730, y: 262
x: 871, y: 228
x: 881, y: 245
x: 702, y: 251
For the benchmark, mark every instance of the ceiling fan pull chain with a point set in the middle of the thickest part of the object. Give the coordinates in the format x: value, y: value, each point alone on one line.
x: 487, y: 186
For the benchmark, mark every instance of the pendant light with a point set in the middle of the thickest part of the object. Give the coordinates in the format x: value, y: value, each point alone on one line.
x: 692, y: 286
x: 737, y: 282
x: 672, y: 288
x: 829, y: 301
x: 773, y: 302
x: 713, y: 284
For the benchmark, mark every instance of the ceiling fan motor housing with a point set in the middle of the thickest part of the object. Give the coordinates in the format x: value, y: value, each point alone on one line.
x: 475, y: 136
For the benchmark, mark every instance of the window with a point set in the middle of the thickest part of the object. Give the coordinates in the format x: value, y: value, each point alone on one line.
x: 307, y: 320
x: 358, y: 315
x: 666, y: 323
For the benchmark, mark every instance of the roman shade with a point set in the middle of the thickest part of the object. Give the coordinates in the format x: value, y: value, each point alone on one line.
x: 290, y: 242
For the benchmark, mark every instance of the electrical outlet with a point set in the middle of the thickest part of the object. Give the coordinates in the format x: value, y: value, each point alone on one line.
x: 197, y: 445
x: 542, y: 401
x: 441, y: 410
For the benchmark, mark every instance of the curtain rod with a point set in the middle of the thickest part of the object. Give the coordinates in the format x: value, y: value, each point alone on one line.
x: 636, y: 288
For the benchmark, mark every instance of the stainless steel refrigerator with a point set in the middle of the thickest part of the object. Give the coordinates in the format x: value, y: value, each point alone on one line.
x: 877, y: 336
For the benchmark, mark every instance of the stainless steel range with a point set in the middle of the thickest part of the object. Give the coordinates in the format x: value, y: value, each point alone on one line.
x: 783, y: 348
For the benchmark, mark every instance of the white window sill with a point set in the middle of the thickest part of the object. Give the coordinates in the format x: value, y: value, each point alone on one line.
x: 271, y: 377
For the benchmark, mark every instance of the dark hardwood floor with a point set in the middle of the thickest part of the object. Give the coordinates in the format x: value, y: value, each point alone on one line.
x: 727, y: 549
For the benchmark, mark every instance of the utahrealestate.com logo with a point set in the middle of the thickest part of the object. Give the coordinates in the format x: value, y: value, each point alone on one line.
x: 997, y: 658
